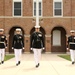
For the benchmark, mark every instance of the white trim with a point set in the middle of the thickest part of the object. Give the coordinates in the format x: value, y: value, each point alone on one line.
x: 35, y: 0
x: 13, y: 8
x: 68, y: 17
x: 41, y: 8
x: 33, y: 8
x: 17, y: 0
x: 71, y: 43
x: 47, y: 35
x: 21, y: 7
x: 61, y: 8
x: 57, y: 0
x: 26, y: 35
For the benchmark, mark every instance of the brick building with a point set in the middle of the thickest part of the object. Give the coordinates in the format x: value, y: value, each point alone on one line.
x: 57, y: 18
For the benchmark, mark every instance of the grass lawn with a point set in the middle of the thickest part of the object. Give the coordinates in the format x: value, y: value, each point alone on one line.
x: 7, y: 57
x: 67, y: 57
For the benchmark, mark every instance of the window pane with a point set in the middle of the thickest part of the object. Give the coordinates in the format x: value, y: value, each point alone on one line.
x: 39, y: 12
x: 56, y: 38
x: 39, y: 5
x: 34, y: 5
x: 57, y: 4
x: 34, y: 12
x: 58, y: 12
x: 39, y: 8
x: 17, y: 4
x: 17, y: 12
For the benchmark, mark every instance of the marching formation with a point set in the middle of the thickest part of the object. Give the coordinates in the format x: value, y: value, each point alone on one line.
x: 37, y: 45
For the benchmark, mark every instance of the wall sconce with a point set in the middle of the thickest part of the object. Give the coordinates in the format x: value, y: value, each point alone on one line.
x: 40, y: 20
x: 33, y: 20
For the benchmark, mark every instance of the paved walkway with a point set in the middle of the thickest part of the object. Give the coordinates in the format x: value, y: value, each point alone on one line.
x: 50, y: 64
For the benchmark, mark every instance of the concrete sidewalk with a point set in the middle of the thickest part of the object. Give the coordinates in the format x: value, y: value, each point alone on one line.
x: 50, y: 64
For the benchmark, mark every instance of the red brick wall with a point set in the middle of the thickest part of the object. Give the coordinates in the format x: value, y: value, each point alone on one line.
x: 28, y: 7
x: 8, y: 7
x: 1, y: 8
x: 47, y: 7
x: 67, y: 7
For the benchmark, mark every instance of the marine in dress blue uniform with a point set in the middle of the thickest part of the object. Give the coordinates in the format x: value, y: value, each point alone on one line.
x: 3, y: 45
x: 18, y: 45
x: 37, y: 44
x: 71, y: 46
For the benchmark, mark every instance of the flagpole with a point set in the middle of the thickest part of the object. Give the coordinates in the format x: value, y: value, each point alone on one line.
x: 37, y: 12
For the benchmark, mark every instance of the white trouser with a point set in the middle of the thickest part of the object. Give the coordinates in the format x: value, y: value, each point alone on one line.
x: 72, y: 54
x: 18, y: 53
x: 37, y: 55
x: 2, y: 54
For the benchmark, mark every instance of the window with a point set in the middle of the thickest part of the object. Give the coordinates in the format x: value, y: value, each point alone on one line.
x: 56, y: 38
x: 17, y: 7
x: 58, y: 8
x: 40, y: 8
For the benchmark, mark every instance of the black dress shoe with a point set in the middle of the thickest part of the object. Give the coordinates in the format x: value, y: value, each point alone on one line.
x: 2, y: 62
x: 36, y: 66
x: 72, y: 62
x: 19, y: 62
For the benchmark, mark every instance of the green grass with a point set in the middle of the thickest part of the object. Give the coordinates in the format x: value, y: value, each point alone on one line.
x: 67, y: 57
x: 7, y: 57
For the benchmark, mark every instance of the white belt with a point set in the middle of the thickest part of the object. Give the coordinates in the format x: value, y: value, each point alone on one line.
x: 71, y: 43
x: 1, y: 42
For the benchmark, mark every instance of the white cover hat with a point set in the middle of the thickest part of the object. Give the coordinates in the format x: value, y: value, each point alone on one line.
x: 37, y: 26
x: 18, y: 29
x: 72, y: 31
x: 1, y: 29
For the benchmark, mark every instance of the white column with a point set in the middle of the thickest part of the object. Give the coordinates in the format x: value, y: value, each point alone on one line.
x: 37, y: 12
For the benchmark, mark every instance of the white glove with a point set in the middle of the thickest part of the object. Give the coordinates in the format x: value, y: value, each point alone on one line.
x: 12, y: 48
x: 43, y: 48
x: 23, y: 48
x: 67, y: 48
x: 5, y: 47
x: 31, y: 48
